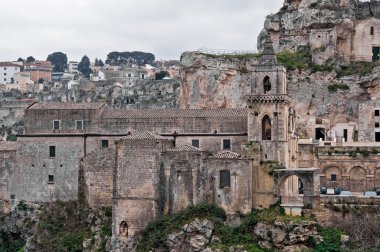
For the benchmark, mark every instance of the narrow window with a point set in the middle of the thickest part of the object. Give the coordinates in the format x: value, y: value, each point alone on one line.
x: 377, y: 136
x: 377, y: 125
x: 333, y: 177
x: 266, y: 128
x: 345, y: 134
x: 56, y: 125
x: 267, y: 85
x: 51, y: 179
x: 195, y: 143
x: 123, y: 229
x: 372, y: 30
x: 79, y: 125
x: 377, y: 112
x: 226, y: 144
x: 224, y: 179
x: 104, y: 143
x: 51, y: 151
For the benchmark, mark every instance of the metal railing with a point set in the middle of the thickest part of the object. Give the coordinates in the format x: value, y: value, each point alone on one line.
x: 225, y: 51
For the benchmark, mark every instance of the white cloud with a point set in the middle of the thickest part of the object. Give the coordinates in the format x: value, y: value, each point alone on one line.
x: 93, y: 27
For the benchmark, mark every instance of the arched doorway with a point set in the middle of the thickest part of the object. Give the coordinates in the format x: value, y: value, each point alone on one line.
x: 358, y: 181
x: 267, y: 85
x: 123, y: 229
x: 266, y: 128
x: 291, y: 191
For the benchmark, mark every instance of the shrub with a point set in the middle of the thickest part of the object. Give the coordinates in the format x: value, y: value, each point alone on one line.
x: 336, y: 87
x: 295, y: 60
x: 359, y: 68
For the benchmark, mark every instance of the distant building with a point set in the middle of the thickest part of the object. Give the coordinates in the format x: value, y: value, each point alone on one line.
x: 39, y: 70
x: 7, y: 71
x: 22, y: 82
x: 73, y: 67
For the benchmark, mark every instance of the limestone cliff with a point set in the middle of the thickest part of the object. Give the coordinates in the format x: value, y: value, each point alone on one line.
x: 208, y: 81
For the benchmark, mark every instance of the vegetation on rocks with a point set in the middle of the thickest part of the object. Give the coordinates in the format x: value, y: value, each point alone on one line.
x: 295, y: 60
x: 336, y: 87
x: 357, y: 68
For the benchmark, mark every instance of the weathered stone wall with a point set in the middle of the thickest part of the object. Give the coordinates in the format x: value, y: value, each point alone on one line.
x: 363, y: 41
x: 7, y: 165
x: 30, y: 179
x: 238, y: 196
x: 40, y: 121
x: 138, y: 188
x: 367, y: 120
x: 213, y: 143
x: 186, y: 179
x: 98, y: 167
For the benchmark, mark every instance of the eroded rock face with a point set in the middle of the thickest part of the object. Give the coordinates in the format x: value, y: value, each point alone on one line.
x: 208, y: 82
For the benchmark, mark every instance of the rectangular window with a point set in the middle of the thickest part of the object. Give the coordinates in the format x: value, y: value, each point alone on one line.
x: 372, y: 30
x: 333, y: 177
x: 5, y: 74
x: 224, y: 179
x: 195, y: 143
x: 51, y: 151
x: 377, y: 112
x: 79, y: 125
x: 51, y: 179
x: 104, y: 143
x: 377, y: 125
x: 226, y: 144
x: 56, y: 125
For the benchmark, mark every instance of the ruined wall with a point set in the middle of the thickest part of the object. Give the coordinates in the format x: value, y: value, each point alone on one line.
x: 186, y: 178
x: 30, y: 180
x: 354, y: 171
x: 98, y: 167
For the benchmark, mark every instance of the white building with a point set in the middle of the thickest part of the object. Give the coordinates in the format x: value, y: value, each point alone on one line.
x: 73, y: 67
x: 7, y: 71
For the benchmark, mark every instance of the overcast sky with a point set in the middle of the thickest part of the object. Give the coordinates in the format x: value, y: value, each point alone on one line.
x: 96, y: 27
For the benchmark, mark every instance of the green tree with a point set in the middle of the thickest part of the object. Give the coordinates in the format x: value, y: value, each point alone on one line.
x: 84, y: 66
x: 99, y: 62
x: 161, y: 75
x: 119, y: 58
x: 30, y: 59
x: 20, y: 60
x: 59, y: 60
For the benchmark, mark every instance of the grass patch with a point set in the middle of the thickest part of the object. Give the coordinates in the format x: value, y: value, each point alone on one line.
x: 295, y: 60
x: 62, y: 227
x: 335, y: 87
x: 246, y: 56
x: 359, y: 68
x: 331, y: 240
x: 270, y: 166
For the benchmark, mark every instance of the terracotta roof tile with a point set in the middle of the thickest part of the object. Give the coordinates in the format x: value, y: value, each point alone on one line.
x: 185, y: 148
x: 226, y: 155
x: 68, y: 105
x: 144, y: 135
x: 7, y: 146
x: 176, y: 113
x: 9, y: 64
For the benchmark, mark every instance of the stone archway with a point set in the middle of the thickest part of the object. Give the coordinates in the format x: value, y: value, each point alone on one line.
x: 358, y: 179
x: 309, y: 178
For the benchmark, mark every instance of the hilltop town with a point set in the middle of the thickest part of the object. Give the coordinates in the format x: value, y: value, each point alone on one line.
x: 222, y: 151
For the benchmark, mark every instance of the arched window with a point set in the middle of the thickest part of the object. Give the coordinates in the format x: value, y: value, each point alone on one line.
x: 267, y: 85
x: 123, y: 229
x: 266, y: 128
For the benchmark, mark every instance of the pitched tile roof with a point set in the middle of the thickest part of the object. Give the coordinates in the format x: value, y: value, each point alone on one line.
x: 144, y: 135
x: 7, y: 146
x: 185, y: 148
x: 173, y: 113
x: 9, y: 64
x: 68, y: 105
x: 226, y: 155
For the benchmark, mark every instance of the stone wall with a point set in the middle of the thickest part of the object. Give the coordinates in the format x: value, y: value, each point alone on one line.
x: 31, y: 179
x: 98, y: 168
x: 7, y: 166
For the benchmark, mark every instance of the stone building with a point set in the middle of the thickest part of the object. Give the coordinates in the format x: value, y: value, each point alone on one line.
x: 146, y: 163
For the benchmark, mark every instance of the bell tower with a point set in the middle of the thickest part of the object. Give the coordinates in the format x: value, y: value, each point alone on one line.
x: 270, y: 115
